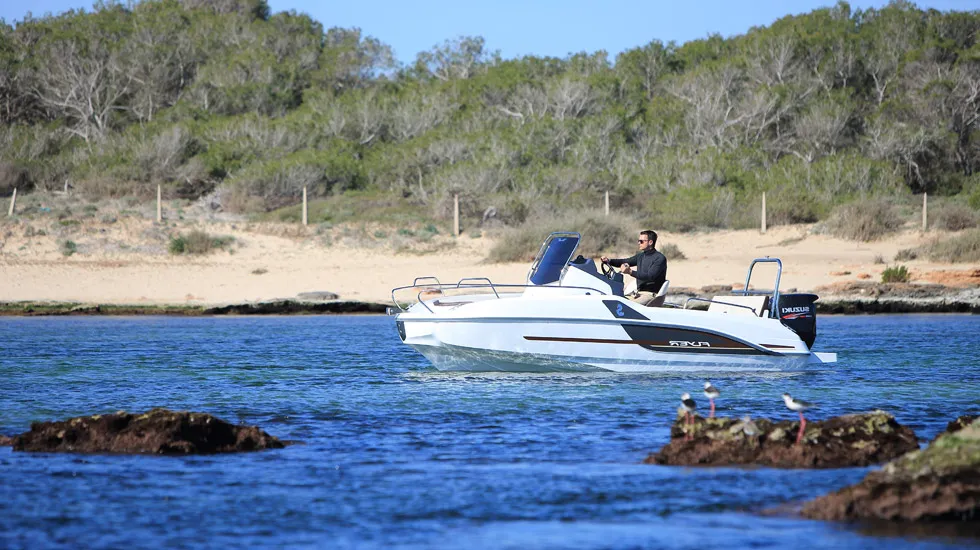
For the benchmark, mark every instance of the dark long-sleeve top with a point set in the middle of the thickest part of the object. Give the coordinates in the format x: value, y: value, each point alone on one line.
x: 650, y: 272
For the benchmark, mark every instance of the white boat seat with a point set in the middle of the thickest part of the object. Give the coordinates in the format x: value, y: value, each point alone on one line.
x: 658, y: 300
x: 731, y: 304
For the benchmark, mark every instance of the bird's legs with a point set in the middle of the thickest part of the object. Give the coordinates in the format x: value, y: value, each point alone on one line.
x: 690, y: 422
x: 712, y: 413
x: 799, y: 436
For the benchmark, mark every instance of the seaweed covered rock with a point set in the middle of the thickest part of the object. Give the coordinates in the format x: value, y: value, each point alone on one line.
x: 158, y: 431
x: 850, y: 440
x: 958, y: 424
x: 939, y: 483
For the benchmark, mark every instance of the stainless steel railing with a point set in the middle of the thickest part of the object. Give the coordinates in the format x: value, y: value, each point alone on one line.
x: 467, y: 283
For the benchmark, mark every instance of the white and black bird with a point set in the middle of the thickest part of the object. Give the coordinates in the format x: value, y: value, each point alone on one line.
x: 798, y: 406
x: 711, y: 393
x: 689, y: 407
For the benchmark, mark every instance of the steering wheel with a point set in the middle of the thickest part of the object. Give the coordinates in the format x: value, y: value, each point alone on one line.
x: 608, y: 271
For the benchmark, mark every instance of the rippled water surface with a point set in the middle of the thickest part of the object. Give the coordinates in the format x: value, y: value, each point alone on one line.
x: 396, y: 454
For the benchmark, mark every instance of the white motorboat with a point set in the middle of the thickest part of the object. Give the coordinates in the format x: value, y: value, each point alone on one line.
x: 570, y: 316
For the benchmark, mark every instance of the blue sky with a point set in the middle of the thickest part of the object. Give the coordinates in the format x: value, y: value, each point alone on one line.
x: 531, y: 27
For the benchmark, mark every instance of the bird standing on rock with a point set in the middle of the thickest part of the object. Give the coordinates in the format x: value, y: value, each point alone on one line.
x: 711, y: 393
x: 798, y: 406
x: 749, y: 427
x: 751, y: 430
x: 689, y: 406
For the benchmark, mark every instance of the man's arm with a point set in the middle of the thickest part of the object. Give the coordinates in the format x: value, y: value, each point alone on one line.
x: 616, y: 262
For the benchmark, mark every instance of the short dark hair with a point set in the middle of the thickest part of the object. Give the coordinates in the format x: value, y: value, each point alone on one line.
x: 652, y: 235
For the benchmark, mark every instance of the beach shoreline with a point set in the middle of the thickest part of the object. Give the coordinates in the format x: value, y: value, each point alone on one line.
x: 125, y: 267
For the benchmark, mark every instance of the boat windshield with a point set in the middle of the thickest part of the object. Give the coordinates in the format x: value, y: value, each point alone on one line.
x: 552, y: 258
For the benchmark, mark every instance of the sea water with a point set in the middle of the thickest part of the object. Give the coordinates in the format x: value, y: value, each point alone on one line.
x: 394, y: 454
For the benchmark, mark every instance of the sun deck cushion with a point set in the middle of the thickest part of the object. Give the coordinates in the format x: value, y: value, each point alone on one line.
x: 730, y: 305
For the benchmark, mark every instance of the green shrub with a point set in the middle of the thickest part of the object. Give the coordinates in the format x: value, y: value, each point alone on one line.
x: 952, y: 217
x: 790, y: 205
x: 864, y: 220
x: 973, y: 199
x: 178, y: 245
x: 691, y: 208
x: 198, y: 242
x: 277, y: 182
x: 959, y: 249
x: 879, y: 259
x: 426, y: 233
x: 672, y: 252
x: 68, y: 248
x: 895, y: 274
x: 906, y: 255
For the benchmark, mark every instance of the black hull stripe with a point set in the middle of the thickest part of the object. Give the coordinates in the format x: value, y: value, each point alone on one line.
x: 651, y: 345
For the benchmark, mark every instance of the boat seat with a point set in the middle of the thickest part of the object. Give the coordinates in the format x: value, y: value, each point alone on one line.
x: 429, y: 292
x: 731, y: 304
x: 658, y: 300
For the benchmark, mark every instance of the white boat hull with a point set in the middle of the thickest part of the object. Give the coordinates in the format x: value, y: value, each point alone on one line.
x: 595, y: 333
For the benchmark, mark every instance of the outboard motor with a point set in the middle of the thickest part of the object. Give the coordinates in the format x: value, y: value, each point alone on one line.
x: 797, y: 312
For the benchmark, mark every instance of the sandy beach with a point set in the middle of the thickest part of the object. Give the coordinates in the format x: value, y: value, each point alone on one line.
x: 127, y: 262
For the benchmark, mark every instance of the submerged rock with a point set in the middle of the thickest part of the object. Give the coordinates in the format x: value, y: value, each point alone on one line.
x: 850, y: 440
x: 939, y: 483
x: 321, y: 296
x: 158, y: 431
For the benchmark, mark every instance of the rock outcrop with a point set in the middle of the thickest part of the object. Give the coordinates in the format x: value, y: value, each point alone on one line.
x: 939, y: 483
x: 853, y: 297
x: 859, y: 297
x: 272, y: 307
x: 319, y: 296
x: 957, y: 425
x: 158, y: 431
x: 850, y: 440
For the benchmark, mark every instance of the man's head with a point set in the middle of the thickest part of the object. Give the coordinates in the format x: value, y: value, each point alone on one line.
x: 647, y: 240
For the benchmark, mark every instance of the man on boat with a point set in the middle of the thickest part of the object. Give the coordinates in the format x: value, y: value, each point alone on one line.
x: 651, y: 268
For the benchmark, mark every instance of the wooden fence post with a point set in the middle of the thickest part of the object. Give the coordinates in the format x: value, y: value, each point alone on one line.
x: 13, y: 201
x: 763, y: 211
x: 159, y: 204
x: 607, y: 202
x: 455, y: 214
x: 925, y: 212
x: 304, y: 206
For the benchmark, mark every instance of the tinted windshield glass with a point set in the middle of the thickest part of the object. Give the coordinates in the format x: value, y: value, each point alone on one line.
x: 553, y: 259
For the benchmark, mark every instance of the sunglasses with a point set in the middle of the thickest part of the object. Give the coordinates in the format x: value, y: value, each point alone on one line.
x: 641, y: 241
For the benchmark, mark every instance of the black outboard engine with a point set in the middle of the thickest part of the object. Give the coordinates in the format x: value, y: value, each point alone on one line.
x: 797, y: 312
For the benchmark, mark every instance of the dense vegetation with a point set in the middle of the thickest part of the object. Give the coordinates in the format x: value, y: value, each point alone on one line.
x: 223, y: 98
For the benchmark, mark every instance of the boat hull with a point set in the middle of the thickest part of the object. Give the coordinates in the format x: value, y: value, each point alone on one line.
x: 593, y: 333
